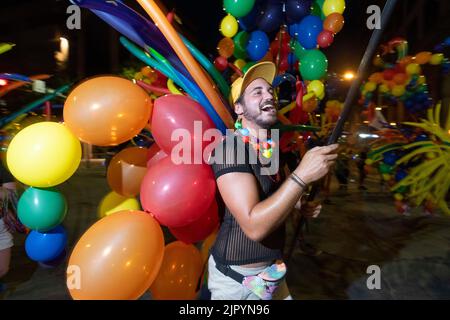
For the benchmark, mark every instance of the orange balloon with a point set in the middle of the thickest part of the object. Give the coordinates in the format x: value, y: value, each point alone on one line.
x: 310, y: 105
x: 179, y: 274
x: 226, y: 47
x: 406, y: 60
x: 107, y: 111
x: 127, y: 170
x: 423, y: 57
x: 334, y: 22
x: 376, y: 77
x: 207, y: 244
x: 117, y: 258
x: 400, y: 78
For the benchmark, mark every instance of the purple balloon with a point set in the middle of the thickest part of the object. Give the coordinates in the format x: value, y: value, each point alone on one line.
x: 271, y: 17
x: 296, y: 10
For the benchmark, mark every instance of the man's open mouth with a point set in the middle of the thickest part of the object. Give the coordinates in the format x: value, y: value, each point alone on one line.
x: 268, y: 108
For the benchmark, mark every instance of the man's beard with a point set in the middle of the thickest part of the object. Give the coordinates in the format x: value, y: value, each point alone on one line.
x: 258, y: 117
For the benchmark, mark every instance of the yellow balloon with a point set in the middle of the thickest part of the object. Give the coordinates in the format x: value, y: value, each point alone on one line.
x: 398, y: 196
x: 114, y: 202
x: 44, y: 154
x: 398, y: 90
x: 437, y: 59
x: 422, y: 80
x: 240, y: 63
x: 413, y: 68
x: 370, y: 86
x: 229, y: 26
x: 332, y: 6
x: 316, y: 87
x: 384, y: 88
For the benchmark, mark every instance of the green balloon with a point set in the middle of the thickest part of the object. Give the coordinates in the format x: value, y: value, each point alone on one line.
x: 317, y: 9
x: 313, y: 65
x: 238, y: 8
x: 248, y: 66
x: 384, y: 168
x: 402, y: 189
x: 298, y: 49
x: 240, y: 45
x: 41, y: 209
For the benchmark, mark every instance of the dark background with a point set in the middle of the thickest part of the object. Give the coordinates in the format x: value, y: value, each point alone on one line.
x: 36, y: 25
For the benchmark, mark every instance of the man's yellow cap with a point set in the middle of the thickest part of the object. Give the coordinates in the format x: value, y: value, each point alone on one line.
x: 265, y: 70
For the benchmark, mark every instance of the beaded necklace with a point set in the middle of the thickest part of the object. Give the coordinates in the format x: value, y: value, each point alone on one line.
x: 263, y: 147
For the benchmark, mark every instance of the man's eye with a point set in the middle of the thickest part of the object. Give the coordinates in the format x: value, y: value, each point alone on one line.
x: 257, y: 93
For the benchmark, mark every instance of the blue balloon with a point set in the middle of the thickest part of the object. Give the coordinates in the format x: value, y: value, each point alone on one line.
x: 271, y: 17
x: 390, y: 158
x: 46, y: 246
x: 421, y: 137
x: 297, y: 10
x: 400, y: 175
x: 308, y: 30
x: 257, y: 45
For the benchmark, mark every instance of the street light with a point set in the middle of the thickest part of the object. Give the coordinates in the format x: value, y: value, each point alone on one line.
x: 349, y: 76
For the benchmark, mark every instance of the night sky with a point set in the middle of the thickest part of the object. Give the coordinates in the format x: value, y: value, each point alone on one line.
x: 36, y: 25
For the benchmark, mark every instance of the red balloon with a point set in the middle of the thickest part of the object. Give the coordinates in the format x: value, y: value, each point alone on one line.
x: 325, y: 39
x: 221, y: 63
x: 154, y: 154
x: 388, y: 74
x: 199, y: 229
x: 177, y: 195
x: 173, y: 112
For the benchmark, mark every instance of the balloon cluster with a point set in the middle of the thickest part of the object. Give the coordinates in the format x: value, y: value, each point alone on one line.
x: 402, y: 82
x: 124, y: 110
x: 34, y: 160
x: 310, y: 24
x: 414, y: 163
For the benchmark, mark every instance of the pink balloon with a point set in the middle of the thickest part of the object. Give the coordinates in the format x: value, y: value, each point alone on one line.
x: 173, y: 112
x: 177, y: 195
x: 199, y: 229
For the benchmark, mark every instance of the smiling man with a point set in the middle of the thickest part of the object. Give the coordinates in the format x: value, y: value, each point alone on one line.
x: 246, y: 259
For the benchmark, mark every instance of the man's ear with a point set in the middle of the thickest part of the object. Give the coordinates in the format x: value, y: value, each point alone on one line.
x: 238, y: 109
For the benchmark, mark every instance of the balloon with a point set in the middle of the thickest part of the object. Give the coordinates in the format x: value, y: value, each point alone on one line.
x: 238, y: 8
x: 164, y: 192
x: 317, y: 87
x: 398, y: 90
x: 248, y: 66
x: 46, y: 246
x: 299, y: 51
x: 41, y: 209
x: 118, y: 257
x: 155, y: 155
x: 325, y: 39
x: 370, y: 86
x: 199, y: 229
x: 271, y: 17
x: 179, y: 274
x: 388, y: 74
x: 229, y: 26
x: 297, y: 9
x: 314, y: 65
x: 332, y: 6
x: 207, y: 244
x: 413, y: 68
x: 221, y: 63
x: 239, y: 63
x: 334, y: 22
x: 107, y: 110
x: 258, y: 44
x: 225, y: 47
x: 114, y: 202
x: 400, y: 78
x: 248, y: 22
x: 126, y: 171
x: 423, y: 57
x: 173, y: 112
x: 240, y: 41
x: 376, y: 77
x: 308, y: 31
x: 437, y: 59
x: 44, y: 155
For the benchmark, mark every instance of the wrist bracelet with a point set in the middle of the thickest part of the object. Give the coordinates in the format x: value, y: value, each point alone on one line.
x: 299, y: 181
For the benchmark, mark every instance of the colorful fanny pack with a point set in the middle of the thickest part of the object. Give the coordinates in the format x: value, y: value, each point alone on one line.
x: 263, y: 284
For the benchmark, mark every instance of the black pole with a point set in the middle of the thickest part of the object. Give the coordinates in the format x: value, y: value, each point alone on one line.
x: 349, y: 100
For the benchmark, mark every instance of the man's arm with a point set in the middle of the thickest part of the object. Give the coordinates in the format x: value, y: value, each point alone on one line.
x: 259, y: 218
